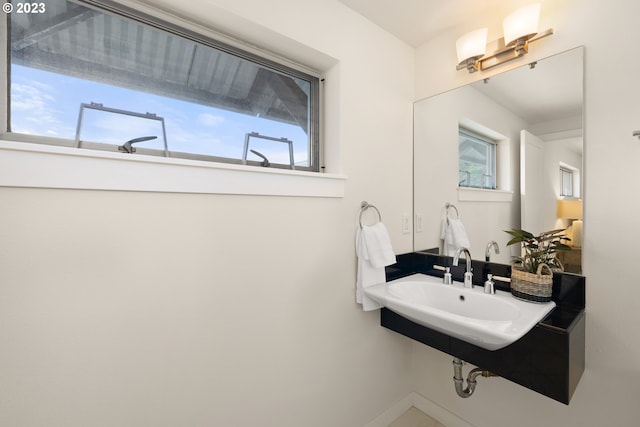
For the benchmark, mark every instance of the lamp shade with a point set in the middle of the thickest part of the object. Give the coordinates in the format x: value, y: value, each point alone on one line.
x: 570, y: 209
x: 521, y: 23
x: 472, y: 45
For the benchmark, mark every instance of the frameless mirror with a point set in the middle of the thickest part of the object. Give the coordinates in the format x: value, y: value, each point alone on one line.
x: 527, y: 163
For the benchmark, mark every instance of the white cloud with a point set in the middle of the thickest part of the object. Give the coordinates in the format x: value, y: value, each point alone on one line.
x: 208, y: 119
x: 32, y: 111
x: 30, y: 97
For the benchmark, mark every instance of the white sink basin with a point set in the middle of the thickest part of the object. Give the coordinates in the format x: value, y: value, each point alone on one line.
x: 488, y: 321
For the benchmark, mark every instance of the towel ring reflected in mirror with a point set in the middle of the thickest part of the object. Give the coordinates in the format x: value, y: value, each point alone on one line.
x: 363, y: 208
x: 447, y: 206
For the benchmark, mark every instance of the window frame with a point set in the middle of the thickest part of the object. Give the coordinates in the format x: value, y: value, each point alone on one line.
x: 492, y: 160
x: 291, y: 69
x: 566, y: 172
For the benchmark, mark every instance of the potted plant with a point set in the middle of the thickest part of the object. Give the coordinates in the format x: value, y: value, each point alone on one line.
x: 529, y: 279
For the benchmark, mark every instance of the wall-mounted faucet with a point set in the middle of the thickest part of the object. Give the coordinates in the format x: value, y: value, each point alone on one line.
x: 468, y: 276
x: 487, y: 252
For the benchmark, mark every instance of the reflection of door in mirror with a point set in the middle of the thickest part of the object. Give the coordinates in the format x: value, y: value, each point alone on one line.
x: 550, y: 183
x: 550, y: 179
x: 546, y: 100
x: 536, y: 213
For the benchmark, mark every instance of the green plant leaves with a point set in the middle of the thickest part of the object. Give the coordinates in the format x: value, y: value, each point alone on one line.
x: 540, y: 249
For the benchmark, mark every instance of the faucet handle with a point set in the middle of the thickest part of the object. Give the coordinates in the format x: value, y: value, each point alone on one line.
x: 447, y: 279
x: 489, y: 285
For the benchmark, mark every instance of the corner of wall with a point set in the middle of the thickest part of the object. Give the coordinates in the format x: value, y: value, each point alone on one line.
x: 418, y: 401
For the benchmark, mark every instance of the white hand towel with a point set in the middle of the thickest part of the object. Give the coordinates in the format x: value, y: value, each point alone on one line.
x: 370, y: 242
x: 378, y: 244
x: 454, y: 236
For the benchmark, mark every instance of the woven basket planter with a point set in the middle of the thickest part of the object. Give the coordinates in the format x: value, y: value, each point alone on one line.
x: 532, y: 287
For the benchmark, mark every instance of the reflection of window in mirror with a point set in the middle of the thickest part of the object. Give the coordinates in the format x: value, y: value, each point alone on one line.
x: 566, y: 182
x: 476, y: 160
x: 569, y: 181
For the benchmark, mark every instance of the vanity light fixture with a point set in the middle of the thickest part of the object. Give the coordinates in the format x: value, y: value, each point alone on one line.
x: 471, y: 47
x: 519, y: 29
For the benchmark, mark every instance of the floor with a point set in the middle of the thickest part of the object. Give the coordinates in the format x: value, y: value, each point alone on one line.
x: 415, y: 418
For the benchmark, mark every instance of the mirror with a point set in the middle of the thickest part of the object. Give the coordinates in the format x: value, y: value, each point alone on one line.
x: 532, y: 116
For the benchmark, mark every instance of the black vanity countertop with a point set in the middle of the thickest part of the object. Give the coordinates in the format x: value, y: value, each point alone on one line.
x: 562, y: 318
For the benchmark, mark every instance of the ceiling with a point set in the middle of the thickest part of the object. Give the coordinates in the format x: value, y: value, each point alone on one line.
x: 416, y: 21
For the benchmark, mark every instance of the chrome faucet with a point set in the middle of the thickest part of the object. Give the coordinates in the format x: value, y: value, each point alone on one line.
x: 487, y: 252
x: 468, y: 276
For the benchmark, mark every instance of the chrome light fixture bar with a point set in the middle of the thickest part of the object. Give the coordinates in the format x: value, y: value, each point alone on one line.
x: 520, y: 28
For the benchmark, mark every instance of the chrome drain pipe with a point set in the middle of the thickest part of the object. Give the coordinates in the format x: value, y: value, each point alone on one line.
x: 458, y: 381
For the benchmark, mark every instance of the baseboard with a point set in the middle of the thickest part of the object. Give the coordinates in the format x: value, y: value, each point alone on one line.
x: 420, y: 402
x: 438, y: 413
x: 393, y: 413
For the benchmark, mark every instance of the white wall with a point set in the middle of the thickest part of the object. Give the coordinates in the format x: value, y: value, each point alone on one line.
x: 160, y: 309
x: 609, y: 389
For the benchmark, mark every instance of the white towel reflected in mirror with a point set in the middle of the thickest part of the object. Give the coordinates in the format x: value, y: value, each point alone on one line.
x: 454, y: 236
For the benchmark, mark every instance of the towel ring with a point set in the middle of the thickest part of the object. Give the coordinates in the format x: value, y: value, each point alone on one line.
x: 363, y: 207
x: 449, y: 205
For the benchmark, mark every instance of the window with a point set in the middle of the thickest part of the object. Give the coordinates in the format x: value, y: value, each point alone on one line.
x: 566, y: 182
x: 97, y: 76
x: 476, y: 160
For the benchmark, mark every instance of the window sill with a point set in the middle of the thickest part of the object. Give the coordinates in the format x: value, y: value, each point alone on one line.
x: 481, y: 195
x: 31, y: 165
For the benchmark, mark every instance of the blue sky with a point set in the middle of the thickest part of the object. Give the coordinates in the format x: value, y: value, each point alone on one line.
x: 48, y: 104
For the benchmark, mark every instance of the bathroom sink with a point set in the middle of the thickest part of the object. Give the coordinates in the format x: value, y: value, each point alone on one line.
x: 488, y: 321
